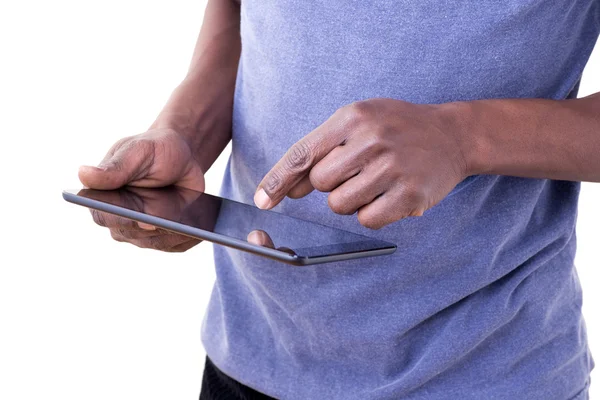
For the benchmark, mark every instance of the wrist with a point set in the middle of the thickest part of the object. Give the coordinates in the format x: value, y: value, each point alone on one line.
x: 178, y: 120
x: 198, y: 115
x: 460, y: 120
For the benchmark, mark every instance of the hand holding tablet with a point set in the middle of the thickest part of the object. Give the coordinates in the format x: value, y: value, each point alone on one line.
x: 183, y: 217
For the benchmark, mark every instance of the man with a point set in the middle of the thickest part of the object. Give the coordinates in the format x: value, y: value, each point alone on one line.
x: 381, y: 107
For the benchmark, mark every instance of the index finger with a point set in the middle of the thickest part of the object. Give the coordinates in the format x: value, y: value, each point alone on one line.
x: 297, y: 162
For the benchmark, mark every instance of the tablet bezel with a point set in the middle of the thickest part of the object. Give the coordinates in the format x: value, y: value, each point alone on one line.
x: 72, y: 196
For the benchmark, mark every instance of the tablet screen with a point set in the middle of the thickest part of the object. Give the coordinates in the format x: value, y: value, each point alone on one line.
x: 233, y: 220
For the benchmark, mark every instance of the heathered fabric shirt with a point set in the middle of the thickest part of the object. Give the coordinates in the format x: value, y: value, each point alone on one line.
x: 481, y: 300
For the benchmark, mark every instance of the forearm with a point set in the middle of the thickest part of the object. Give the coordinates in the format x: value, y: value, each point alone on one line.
x: 200, y: 108
x: 532, y: 138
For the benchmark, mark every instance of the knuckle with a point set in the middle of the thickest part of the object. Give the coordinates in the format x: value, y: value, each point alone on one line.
x: 273, y: 182
x: 144, y: 146
x: 114, y: 233
x: 157, y: 243
x: 339, y: 204
x: 375, y: 141
x: 299, y: 157
x: 178, y: 248
x: 369, y: 221
x: 371, y: 142
x: 144, y: 243
x: 99, y: 217
x: 116, y: 163
x: 359, y: 112
x: 361, y: 108
x: 386, y: 169
x: 119, y: 144
x: 152, y: 243
x: 121, y: 233
x: 320, y: 180
x: 124, y: 233
x: 147, y: 145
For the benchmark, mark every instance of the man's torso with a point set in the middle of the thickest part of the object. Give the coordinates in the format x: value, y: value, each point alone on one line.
x: 481, y: 299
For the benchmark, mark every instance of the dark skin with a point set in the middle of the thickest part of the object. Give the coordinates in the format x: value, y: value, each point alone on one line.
x: 387, y: 159
x: 172, y: 203
x: 188, y: 135
x: 383, y: 159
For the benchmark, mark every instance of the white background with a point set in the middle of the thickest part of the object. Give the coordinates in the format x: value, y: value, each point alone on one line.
x: 81, y: 316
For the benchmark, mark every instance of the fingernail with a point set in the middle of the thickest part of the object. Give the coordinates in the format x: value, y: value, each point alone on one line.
x: 82, y: 167
x: 147, y: 227
x: 261, y: 199
x: 253, y: 237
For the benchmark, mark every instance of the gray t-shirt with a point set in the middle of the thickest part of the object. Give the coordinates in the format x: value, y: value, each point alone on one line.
x: 481, y: 300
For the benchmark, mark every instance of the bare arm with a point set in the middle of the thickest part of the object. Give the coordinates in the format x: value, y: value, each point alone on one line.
x: 533, y: 138
x: 188, y: 135
x: 200, y: 107
x: 387, y: 159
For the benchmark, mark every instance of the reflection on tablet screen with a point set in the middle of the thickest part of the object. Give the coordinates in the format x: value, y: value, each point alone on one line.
x: 236, y: 220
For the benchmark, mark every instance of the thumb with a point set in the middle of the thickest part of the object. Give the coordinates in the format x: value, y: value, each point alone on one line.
x: 125, y: 165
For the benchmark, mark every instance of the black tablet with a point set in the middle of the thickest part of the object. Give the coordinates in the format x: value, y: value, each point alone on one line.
x: 230, y: 223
